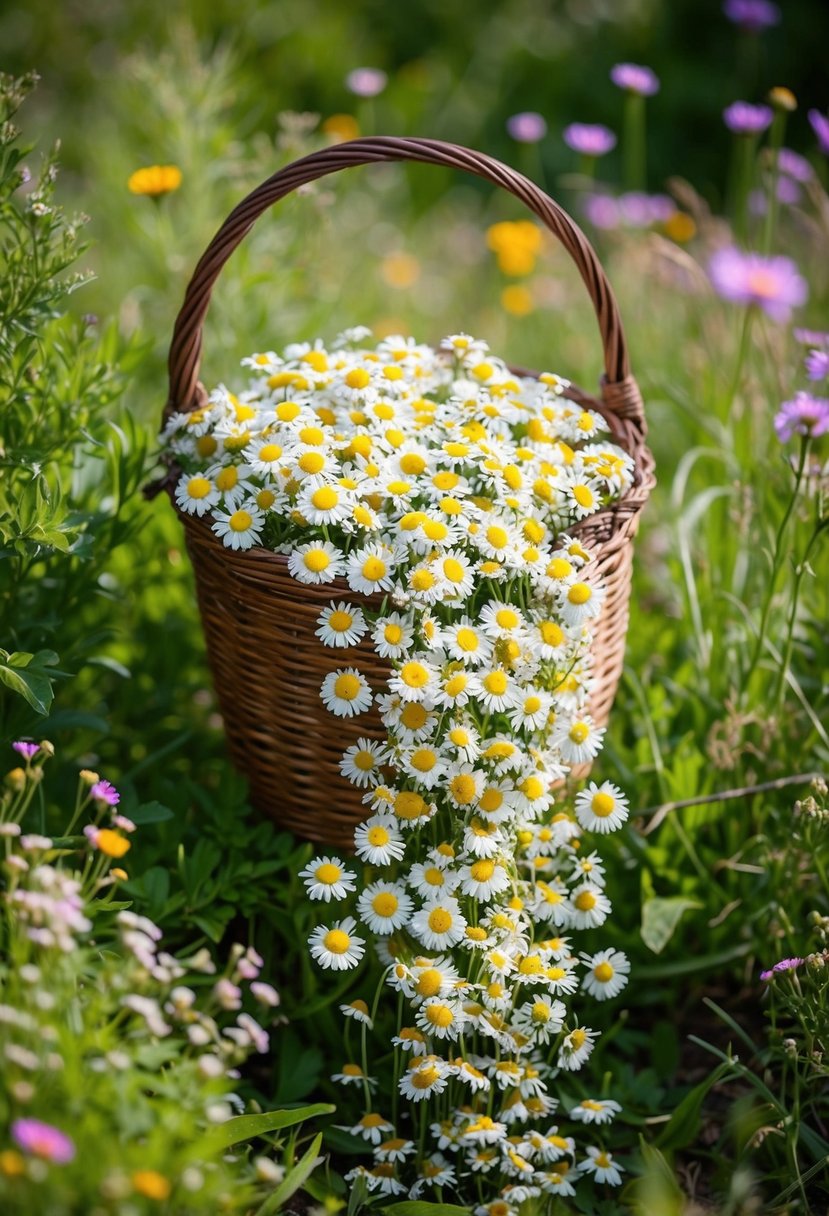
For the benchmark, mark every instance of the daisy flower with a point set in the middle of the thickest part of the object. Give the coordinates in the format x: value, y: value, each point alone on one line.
x: 196, y: 495
x: 415, y: 680
x: 463, y: 739
x: 352, y: 1074
x: 431, y: 879
x: 483, y: 879
x: 593, y: 1110
x: 581, y: 603
x: 338, y: 947
x: 427, y: 1075
x: 439, y: 924
x: 361, y: 762
x: 464, y: 785
x: 496, y: 689
x: 378, y: 841
x: 484, y: 1130
x: 424, y: 763
x: 601, y: 808
x: 578, y: 739
x: 317, y: 562
x: 241, y: 528
x: 394, y: 1150
x: 346, y: 692
x: 371, y: 569
x: 576, y: 1047
x: 358, y: 1010
x: 327, y: 878
x: 541, y: 1018
x: 532, y: 710
x: 590, y: 905
x: 607, y: 974
x: 601, y: 1165
x: 372, y: 1128
x: 582, y: 495
x: 466, y: 641
x: 265, y: 456
x: 392, y: 635
x: 384, y: 907
x: 324, y: 504
x: 435, y: 1171
x: 341, y: 625
x: 499, y: 620
x: 441, y: 1019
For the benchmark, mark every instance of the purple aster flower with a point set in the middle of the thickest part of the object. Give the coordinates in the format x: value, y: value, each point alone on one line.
x: 817, y: 364
x: 787, y: 964
x: 635, y: 79
x: 787, y: 192
x: 104, y: 791
x: 641, y: 210
x: 602, y: 211
x: 527, y: 127
x: 752, y: 15
x: 27, y: 750
x: 794, y: 165
x: 803, y: 415
x: 772, y: 283
x: 589, y: 139
x: 43, y: 1140
x: 366, y: 82
x: 743, y: 118
x: 765, y: 976
x: 820, y: 126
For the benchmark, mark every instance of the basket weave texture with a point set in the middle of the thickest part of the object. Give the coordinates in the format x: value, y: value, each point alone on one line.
x: 260, y: 623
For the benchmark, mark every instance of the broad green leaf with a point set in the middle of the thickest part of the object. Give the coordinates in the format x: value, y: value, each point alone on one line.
x: 293, y: 1180
x: 683, y: 1125
x: 28, y: 680
x: 656, y: 1190
x: 660, y: 918
x: 246, y: 1127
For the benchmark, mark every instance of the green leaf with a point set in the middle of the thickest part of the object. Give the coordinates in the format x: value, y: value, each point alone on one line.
x: 29, y: 676
x: 421, y: 1207
x: 151, y: 812
x: 293, y: 1180
x: 660, y: 918
x: 247, y: 1127
x: 683, y: 1125
x: 656, y: 1190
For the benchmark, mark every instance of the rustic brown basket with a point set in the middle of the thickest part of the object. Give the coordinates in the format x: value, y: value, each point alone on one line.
x: 259, y: 622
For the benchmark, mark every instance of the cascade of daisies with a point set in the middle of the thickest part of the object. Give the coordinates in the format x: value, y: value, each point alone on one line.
x: 447, y: 488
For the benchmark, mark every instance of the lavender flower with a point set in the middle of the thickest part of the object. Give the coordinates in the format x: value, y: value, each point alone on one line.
x: 527, y: 127
x: 820, y: 126
x: 753, y: 15
x: 589, y: 139
x: 104, y: 791
x: 803, y: 415
x: 27, y: 750
x: 817, y: 364
x: 771, y: 283
x: 813, y: 337
x: 794, y: 165
x: 42, y: 1140
x: 602, y: 211
x: 635, y: 79
x: 743, y: 118
x: 366, y: 82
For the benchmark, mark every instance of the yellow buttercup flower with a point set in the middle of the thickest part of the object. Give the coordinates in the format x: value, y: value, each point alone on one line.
x: 155, y: 180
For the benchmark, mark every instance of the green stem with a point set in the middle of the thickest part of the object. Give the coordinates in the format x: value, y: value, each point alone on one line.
x: 778, y: 128
x: 798, y: 580
x: 635, y: 142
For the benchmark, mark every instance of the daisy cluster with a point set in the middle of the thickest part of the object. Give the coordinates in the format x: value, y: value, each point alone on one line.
x: 445, y: 488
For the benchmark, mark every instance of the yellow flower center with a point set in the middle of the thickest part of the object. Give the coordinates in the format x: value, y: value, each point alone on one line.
x: 577, y: 1039
x: 453, y: 570
x: 358, y: 377
x: 482, y: 871
x: 440, y: 1015
x: 414, y: 675
x: 265, y: 499
x: 340, y: 622
x: 551, y: 633
x: 463, y: 788
x: 240, y: 521
x: 316, y: 560
x: 456, y: 684
x: 467, y: 640
x: 385, y: 903
x: 424, y: 760
x: 112, y: 844
x: 435, y: 529
x: 496, y: 683
x: 491, y: 800
x: 585, y: 901
x: 227, y: 478
x: 314, y: 436
x: 532, y: 705
x: 602, y: 805
x: 393, y: 634
x: 377, y: 836
x: 497, y: 537
x: 584, y: 496
x: 425, y: 1078
x: 373, y: 569
x: 429, y: 982
x: 328, y: 873
x: 198, y: 487
x: 579, y: 593
x: 336, y: 941
x: 325, y: 498
x: 579, y: 732
x: 541, y: 1012
x: 603, y: 972
x: 347, y: 686
x: 423, y: 580
x: 440, y: 921
x: 412, y: 464
x: 506, y: 618
x: 413, y: 716
x: 311, y: 462
x: 532, y: 788
x: 409, y: 805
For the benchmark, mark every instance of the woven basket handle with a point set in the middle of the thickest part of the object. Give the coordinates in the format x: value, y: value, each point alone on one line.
x: 620, y: 392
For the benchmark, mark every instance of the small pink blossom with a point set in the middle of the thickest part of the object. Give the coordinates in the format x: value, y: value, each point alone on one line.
x: 27, y: 750
x: 589, y: 139
x: 366, y: 82
x: 265, y: 994
x: 527, y: 127
x: 773, y: 284
x: 42, y: 1140
x: 803, y: 415
x: 105, y: 792
x: 634, y: 78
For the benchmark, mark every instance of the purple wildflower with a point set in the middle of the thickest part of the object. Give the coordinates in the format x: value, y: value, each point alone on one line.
x: 820, y: 126
x: 366, y: 82
x: 817, y: 364
x: 743, y: 118
x: 602, y: 211
x: 641, y: 210
x: 787, y: 191
x: 765, y: 976
x: 803, y: 415
x: 635, y: 79
x: 27, y: 750
x: 589, y: 139
x: 772, y: 283
x: 794, y: 165
x: 43, y: 1140
x: 752, y: 15
x: 527, y: 127
x: 104, y: 791
x: 787, y: 964
x: 813, y: 337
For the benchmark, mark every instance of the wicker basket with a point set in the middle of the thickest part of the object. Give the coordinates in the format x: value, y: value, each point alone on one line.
x: 259, y: 621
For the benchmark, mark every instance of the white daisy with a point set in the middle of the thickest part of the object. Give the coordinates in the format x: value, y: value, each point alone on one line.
x: 341, y: 625
x: 496, y: 689
x: 346, y: 692
x: 327, y: 878
x: 483, y: 879
x: 601, y: 808
x: 396, y: 1149
x: 499, y: 620
x: 384, y: 906
x: 358, y: 1010
x: 415, y: 680
x: 265, y: 456
x: 361, y: 763
x: 441, y: 1018
x: 607, y: 974
x: 541, y: 1019
x: 439, y: 924
x: 197, y: 494
x: 337, y: 947
x: 317, y: 562
x: 576, y: 1047
x: 590, y: 905
x: 601, y: 1165
x: 241, y: 528
x: 595, y: 1110
x: 378, y: 841
x: 426, y: 1075
x: 581, y: 603
x: 392, y: 635
x: 578, y: 739
x: 424, y: 763
x: 532, y: 710
x: 372, y: 1128
x: 463, y: 739
x: 324, y: 504
x: 430, y: 879
x: 466, y: 641
x: 371, y: 569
